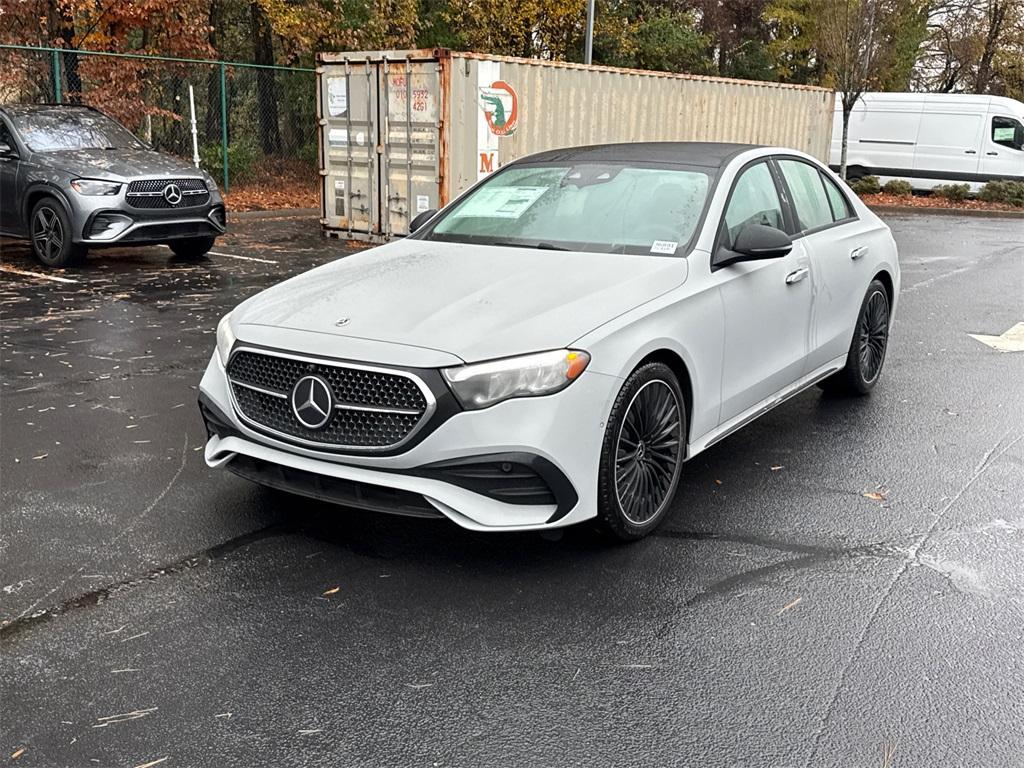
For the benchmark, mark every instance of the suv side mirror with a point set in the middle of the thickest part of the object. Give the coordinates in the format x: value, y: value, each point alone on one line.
x: 754, y: 243
x: 421, y: 219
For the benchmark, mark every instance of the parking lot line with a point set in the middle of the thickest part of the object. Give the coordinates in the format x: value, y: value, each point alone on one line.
x: 243, y: 258
x: 54, y: 278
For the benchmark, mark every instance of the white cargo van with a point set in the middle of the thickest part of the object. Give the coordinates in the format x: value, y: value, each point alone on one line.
x: 932, y: 138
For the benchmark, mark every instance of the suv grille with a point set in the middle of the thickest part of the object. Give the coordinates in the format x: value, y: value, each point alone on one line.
x: 373, y: 409
x: 150, y: 193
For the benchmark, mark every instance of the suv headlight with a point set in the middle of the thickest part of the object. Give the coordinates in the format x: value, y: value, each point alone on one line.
x: 211, y: 185
x: 483, y: 384
x: 95, y: 187
x: 225, y: 338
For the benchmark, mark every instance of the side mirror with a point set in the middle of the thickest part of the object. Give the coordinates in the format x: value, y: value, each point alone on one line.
x: 421, y: 219
x: 754, y: 243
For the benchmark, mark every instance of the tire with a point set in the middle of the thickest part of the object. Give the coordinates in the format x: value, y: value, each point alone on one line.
x: 642, y: 454
x: 867, y: 349
x: 49, y: 227
x: 191, y: 248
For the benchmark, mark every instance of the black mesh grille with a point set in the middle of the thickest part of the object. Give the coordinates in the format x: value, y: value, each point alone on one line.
x: 350, y: 386
x: 141, y: 194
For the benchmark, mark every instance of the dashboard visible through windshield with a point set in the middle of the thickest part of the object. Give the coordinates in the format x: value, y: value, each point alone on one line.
x: 600, y: 207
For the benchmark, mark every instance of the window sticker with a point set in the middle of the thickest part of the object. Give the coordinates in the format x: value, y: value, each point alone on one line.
x: 422, y: 203
x: 1003, y: 134
x: 500, y: 202
x: 664, y: 246
x: 337, y: 96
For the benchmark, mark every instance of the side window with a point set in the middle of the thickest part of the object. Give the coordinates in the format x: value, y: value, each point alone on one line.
x: 809, y: 200
x: 5, y: 135
x: 1008, y: 132
x: 836, y: 199
x: 754, y: 200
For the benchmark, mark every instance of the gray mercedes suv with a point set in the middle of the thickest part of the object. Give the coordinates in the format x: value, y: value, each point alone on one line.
x: 72, y: 178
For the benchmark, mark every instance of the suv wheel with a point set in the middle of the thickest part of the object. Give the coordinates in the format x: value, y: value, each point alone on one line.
x: 191, y: 248
x: 642, y: 456
x: 50, y: 229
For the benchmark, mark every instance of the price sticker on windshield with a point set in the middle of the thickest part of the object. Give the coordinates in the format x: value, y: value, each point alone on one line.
x: 664, y: 246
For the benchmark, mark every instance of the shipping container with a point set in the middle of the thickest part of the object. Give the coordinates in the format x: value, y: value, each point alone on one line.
x: 402, y: 132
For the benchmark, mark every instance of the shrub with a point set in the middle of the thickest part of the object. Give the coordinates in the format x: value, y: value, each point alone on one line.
x: 898, y: 187
x: 955, y: 192
x: 1011, y: 192
x: 242, y: 159
x: 866, y: 185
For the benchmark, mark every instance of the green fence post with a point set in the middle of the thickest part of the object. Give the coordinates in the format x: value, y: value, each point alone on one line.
x: 224, y: 123
x: 55, y: 58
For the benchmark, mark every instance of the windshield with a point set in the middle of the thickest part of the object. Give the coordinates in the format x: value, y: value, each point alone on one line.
x: 57, y: 129
x: 608, y: 208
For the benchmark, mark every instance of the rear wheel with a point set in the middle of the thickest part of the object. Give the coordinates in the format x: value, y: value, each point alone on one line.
x: 643, y: 452
x: 191, y: 247
x: 867, y: 350
x: 50, y: 229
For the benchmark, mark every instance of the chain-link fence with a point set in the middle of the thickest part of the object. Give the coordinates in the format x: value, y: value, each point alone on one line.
x: 256, y: 124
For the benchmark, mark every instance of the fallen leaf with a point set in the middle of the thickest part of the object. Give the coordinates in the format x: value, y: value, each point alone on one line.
x: 776, y: 467
x: 874, y: 496
x: 152, y: 763
x: 332, y: 591
x: 718, y: 482
x: 18, y: 753
x: 787, y: 606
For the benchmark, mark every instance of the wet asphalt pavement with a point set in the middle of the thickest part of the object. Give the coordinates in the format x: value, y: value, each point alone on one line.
x: 841, y: 583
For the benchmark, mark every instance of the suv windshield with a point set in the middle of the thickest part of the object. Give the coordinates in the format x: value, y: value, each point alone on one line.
x: 603, y: 207
x: 56, y: 129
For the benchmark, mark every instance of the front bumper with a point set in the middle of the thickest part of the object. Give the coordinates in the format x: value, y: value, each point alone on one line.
x: 111, y: 220
x: 557, y: 437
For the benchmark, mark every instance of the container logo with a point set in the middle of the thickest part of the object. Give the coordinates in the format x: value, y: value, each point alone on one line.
x: 500, y: 104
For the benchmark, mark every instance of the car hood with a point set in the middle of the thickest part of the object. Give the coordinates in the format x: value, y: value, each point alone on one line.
x: 471, y: 301
x: 119, y: 164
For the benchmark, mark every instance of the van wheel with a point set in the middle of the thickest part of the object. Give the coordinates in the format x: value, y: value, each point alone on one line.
x: 643, y: 451
x: 50, y: 229
x: 855, y: 172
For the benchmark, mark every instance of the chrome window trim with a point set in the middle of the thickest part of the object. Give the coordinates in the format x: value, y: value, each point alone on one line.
x: 428, y: 411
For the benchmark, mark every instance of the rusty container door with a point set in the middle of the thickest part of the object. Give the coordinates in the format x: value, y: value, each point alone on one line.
x: 410, y: 104
x: 349, y: 117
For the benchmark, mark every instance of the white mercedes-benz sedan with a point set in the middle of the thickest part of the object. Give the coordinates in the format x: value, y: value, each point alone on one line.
x: 554, y: 344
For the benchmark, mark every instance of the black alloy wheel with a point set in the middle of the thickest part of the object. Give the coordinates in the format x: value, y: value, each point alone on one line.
x: 50, y: 230
x: 643, y: 452
x: 867, y: 349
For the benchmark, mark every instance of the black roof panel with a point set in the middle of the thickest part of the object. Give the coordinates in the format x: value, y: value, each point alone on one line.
x: 709, y: 154
x: 29, y: 109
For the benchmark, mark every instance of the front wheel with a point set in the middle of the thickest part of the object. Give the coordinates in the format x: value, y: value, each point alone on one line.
x: 642, y: 454
x: 867, y: 350
x: 50, y: 229
x: 191, y: 248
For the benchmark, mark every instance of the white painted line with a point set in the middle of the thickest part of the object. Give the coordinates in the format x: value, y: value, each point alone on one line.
x: 54, y: 278
x: 1011, y: 340
x: 243, y: 258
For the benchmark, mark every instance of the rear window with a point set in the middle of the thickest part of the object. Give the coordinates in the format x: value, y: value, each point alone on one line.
x: 61, y: 129
x: 812, y: 205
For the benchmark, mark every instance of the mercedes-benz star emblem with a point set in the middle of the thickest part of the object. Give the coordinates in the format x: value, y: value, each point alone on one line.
x: 312, y: 402
x: 172, y: 194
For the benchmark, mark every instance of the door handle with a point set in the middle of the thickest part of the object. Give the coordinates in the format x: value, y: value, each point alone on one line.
x: 857, y: 253
x: 970, y: 152
x: 797, y: 275
x: 992, y: 154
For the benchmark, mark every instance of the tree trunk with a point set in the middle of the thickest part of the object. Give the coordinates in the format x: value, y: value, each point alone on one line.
x: 266, y: 83
x: 996, y: 18
x: 211, y: 124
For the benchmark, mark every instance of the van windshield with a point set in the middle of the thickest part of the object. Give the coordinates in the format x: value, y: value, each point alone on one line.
x: 601, y: 207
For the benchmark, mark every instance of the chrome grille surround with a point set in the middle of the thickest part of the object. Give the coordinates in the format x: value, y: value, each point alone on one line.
x: 376, y: 408
x: 149, y: 193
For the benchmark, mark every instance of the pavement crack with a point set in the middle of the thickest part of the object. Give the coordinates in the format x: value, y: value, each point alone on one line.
x: 987, y: 460
x: 94, y: 597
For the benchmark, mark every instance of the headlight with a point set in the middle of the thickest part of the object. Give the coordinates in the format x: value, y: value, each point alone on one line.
x: 95, y: 187
x: 211, y: 185
x: 225, y: 338
x: 483, y: 384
